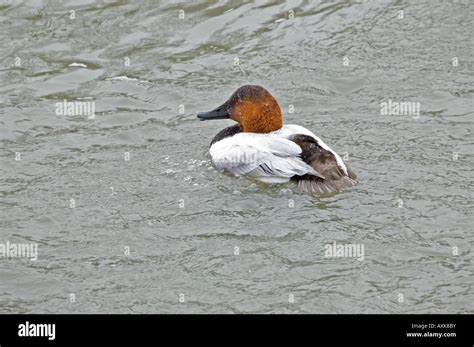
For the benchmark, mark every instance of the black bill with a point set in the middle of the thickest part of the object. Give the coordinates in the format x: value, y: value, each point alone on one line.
x: 217, y: 113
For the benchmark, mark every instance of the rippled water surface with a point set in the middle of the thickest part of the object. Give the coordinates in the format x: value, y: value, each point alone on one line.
x: 233, y: 245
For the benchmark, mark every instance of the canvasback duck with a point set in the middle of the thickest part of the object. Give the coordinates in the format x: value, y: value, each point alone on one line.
x: 260, y: 146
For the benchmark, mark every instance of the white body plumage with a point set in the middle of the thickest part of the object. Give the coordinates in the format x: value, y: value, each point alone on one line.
x: 270, y: 157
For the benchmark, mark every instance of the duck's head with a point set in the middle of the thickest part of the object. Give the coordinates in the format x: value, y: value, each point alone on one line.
x: 253, y: 107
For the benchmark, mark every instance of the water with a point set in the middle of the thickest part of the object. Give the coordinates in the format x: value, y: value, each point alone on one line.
x: 225, y: 244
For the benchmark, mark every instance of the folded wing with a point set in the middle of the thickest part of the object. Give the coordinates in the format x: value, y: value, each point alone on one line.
x: 268, y: 158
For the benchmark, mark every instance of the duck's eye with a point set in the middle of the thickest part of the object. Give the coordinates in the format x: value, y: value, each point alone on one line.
x: 237, y: 101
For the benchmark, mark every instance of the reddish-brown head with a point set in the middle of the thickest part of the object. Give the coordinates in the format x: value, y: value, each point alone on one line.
x: 253, y: 107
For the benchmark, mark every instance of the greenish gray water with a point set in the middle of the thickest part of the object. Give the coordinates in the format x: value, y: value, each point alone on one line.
x: 231, y: 244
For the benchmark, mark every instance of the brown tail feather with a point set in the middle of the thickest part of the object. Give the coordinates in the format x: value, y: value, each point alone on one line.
x: 324, y: 162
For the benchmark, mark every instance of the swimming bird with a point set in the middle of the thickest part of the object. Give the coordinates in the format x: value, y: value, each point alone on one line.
x: 260, y: 146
